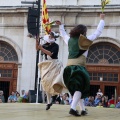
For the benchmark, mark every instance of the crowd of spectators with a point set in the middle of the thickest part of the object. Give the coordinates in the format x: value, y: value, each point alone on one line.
x: 14, y: 97
x: 65, y: 99
x: 102, y: 101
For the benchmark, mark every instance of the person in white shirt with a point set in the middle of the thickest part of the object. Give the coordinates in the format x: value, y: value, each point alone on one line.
x: 76, y: 77
x: 99, y: 92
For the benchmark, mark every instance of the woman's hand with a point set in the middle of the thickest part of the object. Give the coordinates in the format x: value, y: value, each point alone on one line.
x: 37, y: 44
x: 102, y: 16
x: 58, y: 22
x: 39, y: 47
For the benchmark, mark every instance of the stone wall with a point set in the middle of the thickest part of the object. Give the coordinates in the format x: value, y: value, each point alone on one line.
x: 13, y: 27
x: 59, y: 2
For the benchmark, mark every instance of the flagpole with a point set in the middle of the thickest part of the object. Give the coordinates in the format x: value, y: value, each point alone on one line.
x: 41, y: 18
x: 41, y: 57
x: 38, y: 53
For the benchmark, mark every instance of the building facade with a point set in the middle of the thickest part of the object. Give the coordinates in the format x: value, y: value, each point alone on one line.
x: 18, y: 54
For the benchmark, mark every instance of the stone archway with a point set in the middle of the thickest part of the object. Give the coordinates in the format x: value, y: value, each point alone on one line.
x: 104, y: 53
x: 8, y: 68
x: 15, y: 47
x: 103, y: 64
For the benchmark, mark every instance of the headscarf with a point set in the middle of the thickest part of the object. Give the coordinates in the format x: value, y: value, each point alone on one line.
x: 51, y: 40
x: 47, y: 39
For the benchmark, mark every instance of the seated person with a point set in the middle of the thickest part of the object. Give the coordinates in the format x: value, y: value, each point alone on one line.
x: 19, y: 99
x: 118, y: 103
x: 63, y: 100
x: 2, y: 96
x: 1, y: 101
x: 12, y: 98
x: 90, y: 101
x: 97, y: 99
x: 111, y: 102
x: 25, y: 98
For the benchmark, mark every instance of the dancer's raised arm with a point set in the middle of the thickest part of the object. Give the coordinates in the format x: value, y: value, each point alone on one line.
x: 63, y: 33
x: 99, y: 30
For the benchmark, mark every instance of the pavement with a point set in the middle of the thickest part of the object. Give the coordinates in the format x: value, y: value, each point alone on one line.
x: 36, y: 111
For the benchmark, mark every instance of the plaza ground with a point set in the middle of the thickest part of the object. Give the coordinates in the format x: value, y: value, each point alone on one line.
x: 34, y: 111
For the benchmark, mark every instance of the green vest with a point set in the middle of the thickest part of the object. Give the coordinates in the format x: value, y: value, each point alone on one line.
x: 73, y: 48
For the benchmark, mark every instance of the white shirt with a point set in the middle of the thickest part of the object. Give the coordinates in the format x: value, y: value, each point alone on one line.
x: 91, y: 37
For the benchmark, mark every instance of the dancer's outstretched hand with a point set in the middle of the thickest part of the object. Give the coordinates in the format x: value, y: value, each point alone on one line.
x: 58, y: 22
x: 102, y: 16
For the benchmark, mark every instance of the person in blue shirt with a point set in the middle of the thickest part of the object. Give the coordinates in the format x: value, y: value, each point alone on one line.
x: 12, y: 97
x: 118, y: 103
x: 97, y: 100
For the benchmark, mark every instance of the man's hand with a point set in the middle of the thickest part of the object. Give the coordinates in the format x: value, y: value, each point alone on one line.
x: 58, y: 22
x: 102, y: 16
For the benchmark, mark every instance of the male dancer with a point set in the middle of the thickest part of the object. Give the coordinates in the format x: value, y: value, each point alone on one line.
x: 76, y: 77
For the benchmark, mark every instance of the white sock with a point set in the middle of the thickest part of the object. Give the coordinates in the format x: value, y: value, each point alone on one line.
x: 48, y: 98
x: 76, y: 98
x: 81, y: 104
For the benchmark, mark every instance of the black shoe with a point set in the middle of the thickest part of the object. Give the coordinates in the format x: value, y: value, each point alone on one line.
x: 74, y: 112
x: 77, y: 111
x: 83, y: 112
x: 48, y: 106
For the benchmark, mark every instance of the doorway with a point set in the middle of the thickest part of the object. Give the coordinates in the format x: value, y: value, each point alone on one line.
x: 109, y: 91
x: 5, y: 86
x: 94, y: 89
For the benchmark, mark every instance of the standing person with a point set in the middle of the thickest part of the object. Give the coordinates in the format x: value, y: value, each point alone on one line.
x: 99, y: 92
x: 76, y: 77
x: 51, y: 68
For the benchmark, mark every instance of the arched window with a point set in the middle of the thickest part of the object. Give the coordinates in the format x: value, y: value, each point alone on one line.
x: 103, y: 53
x: 7, y: 53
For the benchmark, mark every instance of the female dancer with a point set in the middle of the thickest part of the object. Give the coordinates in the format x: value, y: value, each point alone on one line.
x: 51, y: 68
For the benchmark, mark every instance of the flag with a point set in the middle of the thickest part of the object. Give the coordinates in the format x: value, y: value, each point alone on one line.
x: 45, y: 18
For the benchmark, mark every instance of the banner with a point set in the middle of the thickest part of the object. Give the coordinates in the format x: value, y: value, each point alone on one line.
x: 45, y: 18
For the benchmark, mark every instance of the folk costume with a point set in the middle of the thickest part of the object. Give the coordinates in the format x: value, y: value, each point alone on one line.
x: 51, y: 71
x: 76, y: 77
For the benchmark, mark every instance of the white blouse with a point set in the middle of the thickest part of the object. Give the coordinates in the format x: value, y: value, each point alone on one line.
x: 91, y: 37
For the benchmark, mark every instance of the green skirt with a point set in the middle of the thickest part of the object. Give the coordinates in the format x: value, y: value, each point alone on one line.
x: 76, y: 78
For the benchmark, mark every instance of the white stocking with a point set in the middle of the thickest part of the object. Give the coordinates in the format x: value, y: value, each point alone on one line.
x: 81, y: 104
x: 76, y: 98
x: 48, y: 98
